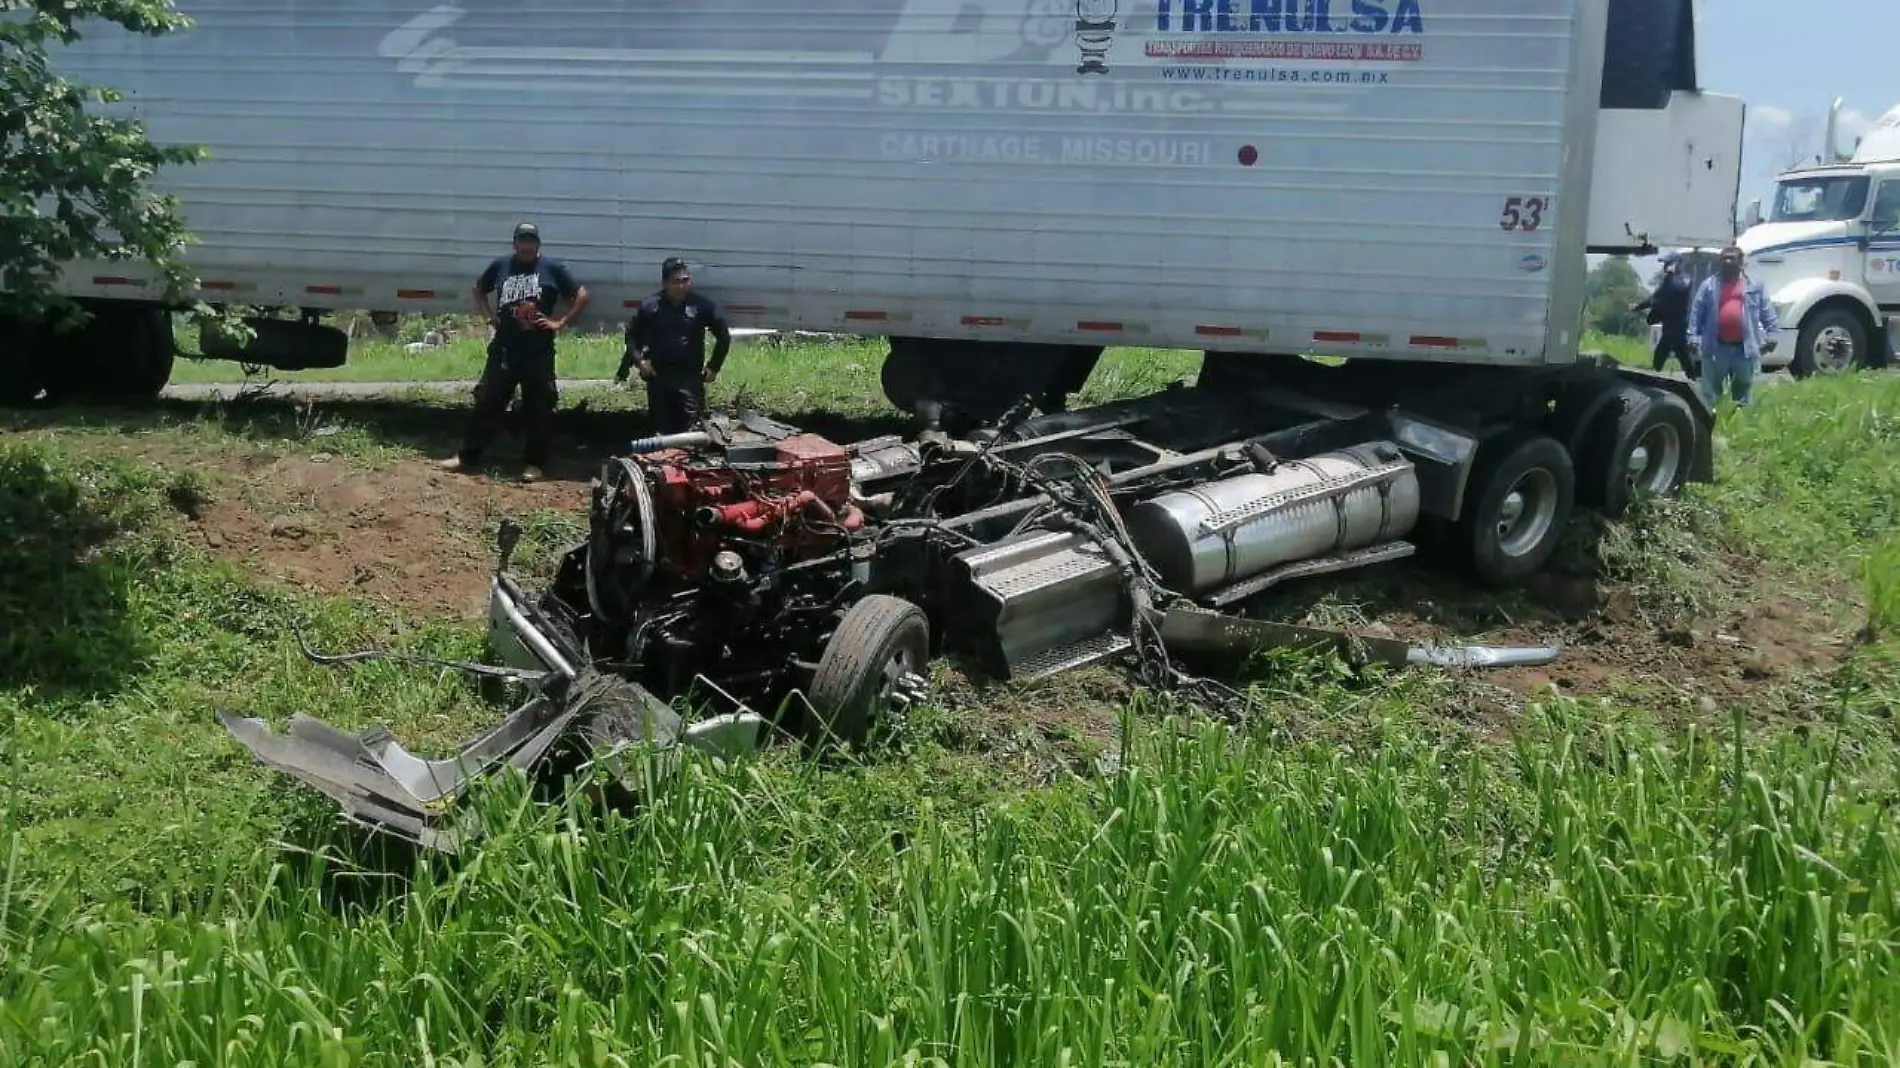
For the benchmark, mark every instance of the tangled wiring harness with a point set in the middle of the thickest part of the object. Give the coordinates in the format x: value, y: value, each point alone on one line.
x: 1078, y: 498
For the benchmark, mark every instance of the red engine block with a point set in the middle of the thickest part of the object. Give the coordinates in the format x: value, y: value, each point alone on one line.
x: 799, y: 502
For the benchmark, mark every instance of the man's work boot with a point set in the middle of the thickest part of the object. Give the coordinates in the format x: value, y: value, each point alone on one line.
x: 532, y: 473
x: 453, y: 463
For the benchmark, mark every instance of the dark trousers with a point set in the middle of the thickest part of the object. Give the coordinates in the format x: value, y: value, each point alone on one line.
x: 675, y: 402
x: 533, y: 373
x: 1676, y: 345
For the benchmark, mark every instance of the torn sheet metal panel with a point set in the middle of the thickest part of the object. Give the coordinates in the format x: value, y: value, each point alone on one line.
x: 380, y: 785
x: 383, y: 786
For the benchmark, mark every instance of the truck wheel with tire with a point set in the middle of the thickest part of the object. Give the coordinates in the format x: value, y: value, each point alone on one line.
x: 880, y: 642
x: 1640, y: 444
x: 22, y: 354
x: 124, y: 353
x: 1517, y: 503
x: 145, y: 362
x: 1832, y: 339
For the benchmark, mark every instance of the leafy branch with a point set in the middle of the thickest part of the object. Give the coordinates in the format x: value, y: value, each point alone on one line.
x: 75, y: 184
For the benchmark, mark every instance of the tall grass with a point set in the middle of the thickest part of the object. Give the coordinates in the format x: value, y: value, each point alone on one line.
x: 1593, y: 895
x: 1804, y: 482
x: 1809, y: 471
x: 1600, y: 899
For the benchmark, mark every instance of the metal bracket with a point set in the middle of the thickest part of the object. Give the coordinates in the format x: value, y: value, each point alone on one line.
x: 1319, y: 565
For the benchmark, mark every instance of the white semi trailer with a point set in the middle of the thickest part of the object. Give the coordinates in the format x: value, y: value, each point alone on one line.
x: 1001, y: 188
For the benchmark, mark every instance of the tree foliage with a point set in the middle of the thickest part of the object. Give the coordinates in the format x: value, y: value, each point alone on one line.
x: 75, y: 184
x: 1614, y: 286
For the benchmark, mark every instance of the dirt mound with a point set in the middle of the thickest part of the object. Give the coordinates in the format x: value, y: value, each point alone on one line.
x: 1759, y: 651
x: 407, y: 534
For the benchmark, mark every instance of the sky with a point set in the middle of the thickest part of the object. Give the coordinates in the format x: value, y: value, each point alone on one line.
x: 1788, y: 59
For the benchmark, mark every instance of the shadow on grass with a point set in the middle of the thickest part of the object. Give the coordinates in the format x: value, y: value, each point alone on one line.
x: 64, y: 595
x: 584, y: 429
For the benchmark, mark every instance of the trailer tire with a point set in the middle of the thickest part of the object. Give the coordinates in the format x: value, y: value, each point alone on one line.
x: 22, y: 345
x: 125, y: 353
x: 1643, y: 444
x: 149, y: 353
x: 19, y: 386
x: 880, y: 639
x: 1519, y: 500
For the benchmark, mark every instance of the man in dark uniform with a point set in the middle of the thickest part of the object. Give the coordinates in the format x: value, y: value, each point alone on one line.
x: 666, y: 343
x: 1668, y: 307
x: 527, y: 286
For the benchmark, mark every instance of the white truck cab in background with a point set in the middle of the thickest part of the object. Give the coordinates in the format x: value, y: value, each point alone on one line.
x: 1827, y: 251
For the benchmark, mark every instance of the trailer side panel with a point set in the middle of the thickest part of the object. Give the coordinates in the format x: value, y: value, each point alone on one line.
x: 1359, y: 177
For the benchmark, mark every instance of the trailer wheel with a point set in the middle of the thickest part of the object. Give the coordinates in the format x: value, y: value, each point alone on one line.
x: 1518, y: 501
x: 125, y: 353
x: 145, y: 363
x: 1641, y: 444
x: 21, y: 346
x: 864, y: 669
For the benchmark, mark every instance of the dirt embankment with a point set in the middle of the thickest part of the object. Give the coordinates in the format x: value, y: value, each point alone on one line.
x: 407, y: 534
x: 411, y: 535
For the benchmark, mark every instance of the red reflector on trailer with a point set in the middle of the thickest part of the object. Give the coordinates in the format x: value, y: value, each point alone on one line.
x: 1347, y: 337
x: 1426, y: 341
x: 324, y: 291
x: 866, y: 316
x: 1098, y: 327
x: 415, y: 294
x: 219, y: 286
x: 983, y: 320
x: 1217, y: 331
x: 111, y: 280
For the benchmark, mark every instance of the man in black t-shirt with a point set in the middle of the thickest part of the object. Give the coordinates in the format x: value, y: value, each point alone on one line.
x: 526, y: 286
x: 666, y: 341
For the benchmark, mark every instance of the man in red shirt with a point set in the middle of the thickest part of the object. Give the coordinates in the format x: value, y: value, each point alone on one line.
x: 1732, y: 323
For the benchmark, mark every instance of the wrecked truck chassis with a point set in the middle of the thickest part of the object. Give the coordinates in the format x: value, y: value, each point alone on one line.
x: 1068, y: 542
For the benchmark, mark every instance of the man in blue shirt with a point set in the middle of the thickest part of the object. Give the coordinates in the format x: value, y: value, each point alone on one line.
x: 666, y: 342
x: 527, y: 287
x: 1731, y: 323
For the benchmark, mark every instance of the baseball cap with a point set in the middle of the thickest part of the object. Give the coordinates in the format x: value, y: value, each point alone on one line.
x: 526, y: 229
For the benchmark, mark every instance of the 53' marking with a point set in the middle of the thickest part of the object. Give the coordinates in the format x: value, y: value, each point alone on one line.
x: 1524, y: 213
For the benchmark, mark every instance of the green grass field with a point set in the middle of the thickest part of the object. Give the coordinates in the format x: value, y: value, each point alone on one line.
x: 1356, y: 877
x: 796, y: 371
x: 779, y: 367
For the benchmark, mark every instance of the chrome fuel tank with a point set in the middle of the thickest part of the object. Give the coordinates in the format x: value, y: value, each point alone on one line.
x: 1221, y: 533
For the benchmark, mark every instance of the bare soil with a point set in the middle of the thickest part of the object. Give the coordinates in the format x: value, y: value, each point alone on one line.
x: 409, y: 534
